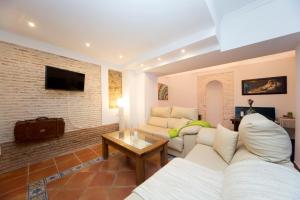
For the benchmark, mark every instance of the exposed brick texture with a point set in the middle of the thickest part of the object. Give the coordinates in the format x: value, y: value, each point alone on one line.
x: 16, y: 155
x: 226, y: 79
x: 23, y: 93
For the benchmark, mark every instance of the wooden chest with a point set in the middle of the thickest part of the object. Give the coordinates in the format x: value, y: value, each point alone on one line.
x: 38, y: 129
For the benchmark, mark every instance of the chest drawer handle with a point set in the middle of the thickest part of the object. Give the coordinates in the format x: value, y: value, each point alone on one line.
x: 42, y: 130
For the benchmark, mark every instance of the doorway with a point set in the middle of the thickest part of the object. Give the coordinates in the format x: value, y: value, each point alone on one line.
x: 214, y: 102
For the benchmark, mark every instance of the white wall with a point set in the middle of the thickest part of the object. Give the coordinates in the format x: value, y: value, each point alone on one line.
x: 259, y: 21
x: 297, y: 135
x: 183, y: 86
x: 140, y: 92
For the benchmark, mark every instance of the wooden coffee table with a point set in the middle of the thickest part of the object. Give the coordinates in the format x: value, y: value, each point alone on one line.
x: 138, y: 146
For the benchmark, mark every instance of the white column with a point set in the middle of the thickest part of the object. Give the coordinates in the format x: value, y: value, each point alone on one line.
x: 297, y: 132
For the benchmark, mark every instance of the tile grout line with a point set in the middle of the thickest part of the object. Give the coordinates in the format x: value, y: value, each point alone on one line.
x: 78, y: 158
x: 55, y: 164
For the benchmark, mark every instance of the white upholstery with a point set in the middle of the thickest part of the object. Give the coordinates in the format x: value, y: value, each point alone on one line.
x: 190, y: 130
x: 265, y: 138
x: 206, y: 136
x: 174, y: 143
x: 225, y: 142
x: 243, y: 154
x: 178, y: 146
x: 161, y: 112
x: 177, y: 123
x: 158, y: 121
x: 206, y: 156
x: 181, y: 112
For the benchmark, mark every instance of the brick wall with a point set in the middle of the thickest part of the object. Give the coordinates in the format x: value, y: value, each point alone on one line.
x: 23, y: 93
x: 18, y: 155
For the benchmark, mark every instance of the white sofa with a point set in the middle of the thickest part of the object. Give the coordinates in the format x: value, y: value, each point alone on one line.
x: 162, y: 119
x: 258, y: 169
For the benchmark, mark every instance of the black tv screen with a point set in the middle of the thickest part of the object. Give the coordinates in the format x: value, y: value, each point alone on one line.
x: 60, y: 79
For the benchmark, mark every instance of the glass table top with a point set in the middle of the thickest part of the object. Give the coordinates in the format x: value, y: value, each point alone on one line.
x: 134, y: 138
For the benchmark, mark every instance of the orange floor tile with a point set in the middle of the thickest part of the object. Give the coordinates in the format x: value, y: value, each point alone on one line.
x: 110, y: 179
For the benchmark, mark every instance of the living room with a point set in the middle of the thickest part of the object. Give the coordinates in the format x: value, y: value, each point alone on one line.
x: 140, y: 90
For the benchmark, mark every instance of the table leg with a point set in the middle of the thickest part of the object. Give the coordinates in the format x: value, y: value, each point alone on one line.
x: 164, y: 155
x: 104, y: 149
x: 140, y: 171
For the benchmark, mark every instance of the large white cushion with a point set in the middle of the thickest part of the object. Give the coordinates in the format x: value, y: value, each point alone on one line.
x: 225, y: 142
x: 265, y: 138
x: 260, y: 180
x: 206, y: 156
x: 158, y: 121
x: 177, y: 123
x: 181, y: 112
x: 206, y: 136
x: 160, y: 111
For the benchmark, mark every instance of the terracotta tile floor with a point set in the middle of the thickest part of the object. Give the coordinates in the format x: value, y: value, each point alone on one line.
x: 111, y: 179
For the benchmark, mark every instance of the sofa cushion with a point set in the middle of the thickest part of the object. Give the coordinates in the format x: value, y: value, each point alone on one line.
x: 181, y: 112
x: 177, y: 123
x: 161, y: 111
x: 225, y: 142
x: 158, y: 121
x: 206, y: 156
x: 243, y: 154
x: 265, y: 138
x: 206, y: 136
x: 174, y: 143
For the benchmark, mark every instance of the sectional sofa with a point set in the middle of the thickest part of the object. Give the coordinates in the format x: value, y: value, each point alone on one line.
x: 162, y: 119
x: 253, y: 163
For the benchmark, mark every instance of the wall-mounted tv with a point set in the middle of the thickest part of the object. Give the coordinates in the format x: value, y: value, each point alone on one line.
x: 60, y: 79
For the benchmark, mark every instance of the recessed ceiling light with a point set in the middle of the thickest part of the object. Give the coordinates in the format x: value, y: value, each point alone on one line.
x: 87, y: 44
x: 182, y: 50
x: 159, y: 59
x: 121, y: 56
x: 31, y: 24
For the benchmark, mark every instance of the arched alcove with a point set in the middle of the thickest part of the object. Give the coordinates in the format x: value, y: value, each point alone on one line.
x: 226, y: 81
x: 214, y: 102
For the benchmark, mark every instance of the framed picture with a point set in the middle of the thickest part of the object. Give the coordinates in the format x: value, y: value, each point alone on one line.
x: 162, y: 91
x: 270, y: 85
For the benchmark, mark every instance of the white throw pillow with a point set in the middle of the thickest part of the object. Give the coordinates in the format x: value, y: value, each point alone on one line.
x: 177, y: 123
x: 206, y: 136
x: 160, y: 111
x: 265, y: 138
x: 158, y: 121
x: 181, y: 112
x: 225, y: 142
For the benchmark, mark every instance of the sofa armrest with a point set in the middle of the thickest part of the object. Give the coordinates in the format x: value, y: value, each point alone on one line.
x: 190, y: 130
x: 206, y: 136
x: 189, y: 141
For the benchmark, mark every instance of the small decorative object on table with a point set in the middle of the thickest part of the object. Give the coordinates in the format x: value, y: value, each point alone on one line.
x: 251, y: 110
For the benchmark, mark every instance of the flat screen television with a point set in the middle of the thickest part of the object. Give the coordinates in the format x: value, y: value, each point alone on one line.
x: 60, y: 79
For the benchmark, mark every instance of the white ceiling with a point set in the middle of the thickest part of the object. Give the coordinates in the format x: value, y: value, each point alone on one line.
x: 139, y: 30
x: 113, y: 27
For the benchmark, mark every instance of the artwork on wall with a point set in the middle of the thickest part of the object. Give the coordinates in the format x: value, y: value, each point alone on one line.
x: 162, y: 91
x: 270, y: 85
x: 115, y: 87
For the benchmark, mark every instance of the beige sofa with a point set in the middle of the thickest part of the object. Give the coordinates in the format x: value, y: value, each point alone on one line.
x: 259, y: 140
x: 162, y: 119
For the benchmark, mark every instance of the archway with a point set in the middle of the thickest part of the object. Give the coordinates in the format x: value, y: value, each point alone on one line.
x: 214, y: 102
